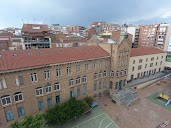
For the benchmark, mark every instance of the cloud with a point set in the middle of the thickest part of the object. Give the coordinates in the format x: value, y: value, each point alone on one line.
x: 166, y: 15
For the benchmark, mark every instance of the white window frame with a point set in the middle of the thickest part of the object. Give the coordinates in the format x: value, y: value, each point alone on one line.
x: 58, y: 72
x: 78, y: 68
x: 111, y: 73
x: 18, y: 96
x: 100, y: 74
x: 6, y: 100
x: 48, y: 88
x: 84, y: 80
x: 38, y: 89
x: 47, y: 74
x: 34, y: 77
x: 78, y: 81
x: 95, y: 76
x: 71, y: 82
x: 101, y: 64
x: 105, y: 73
x: 69, y: 71
x: 18, y: 83
x: 3, y: 84
x: 86, y: 67
x: 121, y: 73
x: 57, y: 85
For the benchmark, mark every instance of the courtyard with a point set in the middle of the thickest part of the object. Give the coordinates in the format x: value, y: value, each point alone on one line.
x: 147, y: 112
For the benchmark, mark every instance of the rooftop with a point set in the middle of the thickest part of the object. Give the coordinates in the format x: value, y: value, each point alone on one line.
x: 32, y: 28
x: 13, y: 60
x: 145, y: 51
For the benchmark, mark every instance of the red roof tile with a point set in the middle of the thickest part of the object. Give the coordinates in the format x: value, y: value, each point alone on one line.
x: 40, y: 57
x: 29, y: 28
x: 145, y: 51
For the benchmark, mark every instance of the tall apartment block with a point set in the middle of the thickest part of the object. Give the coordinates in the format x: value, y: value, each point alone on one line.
x: 36, y: 36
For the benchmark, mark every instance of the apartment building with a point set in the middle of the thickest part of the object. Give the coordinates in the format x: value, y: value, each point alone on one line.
x: 5, y: 42
x: 36, y: 36
x: 154, y: 35
x: 34, y: 80
x: 145, y: 62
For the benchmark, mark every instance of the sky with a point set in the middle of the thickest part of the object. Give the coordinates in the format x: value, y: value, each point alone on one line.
x: 13, y: 13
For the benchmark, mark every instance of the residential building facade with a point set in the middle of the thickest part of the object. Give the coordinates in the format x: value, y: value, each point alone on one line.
x: 145, y: 62
x: 36, y: 36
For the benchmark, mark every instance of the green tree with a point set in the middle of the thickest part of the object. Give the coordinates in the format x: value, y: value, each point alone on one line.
x: 89, y: 100
x: 29, y: 122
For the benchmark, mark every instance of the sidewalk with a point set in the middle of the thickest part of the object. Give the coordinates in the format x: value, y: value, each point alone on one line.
x: 145, y: 79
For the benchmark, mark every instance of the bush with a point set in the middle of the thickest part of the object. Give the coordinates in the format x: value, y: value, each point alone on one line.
x: 89, y: 100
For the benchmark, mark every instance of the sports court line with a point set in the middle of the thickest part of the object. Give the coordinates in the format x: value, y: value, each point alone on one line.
x: 112, y: 120
x: 87, y: 120
x: 108, y: 125
x: 102, y: 121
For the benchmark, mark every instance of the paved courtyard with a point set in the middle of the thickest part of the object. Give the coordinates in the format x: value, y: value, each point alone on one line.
x: 143, y: 113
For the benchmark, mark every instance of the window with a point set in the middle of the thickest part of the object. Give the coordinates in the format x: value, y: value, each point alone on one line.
x: 112, y: 73
x: 78, y: 68
x: 105, y: 73
x: 18, y: 96
x: 111, y: 85
x: 57, y: 99
x: 125, y: 72
x: 40, y: 105
x: 49, y: 102
x: 100, y: 84
x: 121, y: 73
x: 116, y: 85
x: 85, y: 89
x: 100, y: 74
x: 145, y: 65
x: 78, y: 80
x: 71, y: 82
x: 2, y: 83
x: 139, y: 67
x: 9, y: 116
x: 152, y: 58
x: 47, y: 74
x: 162, y: 57
x: 39, y: 91
x: 58, y: 72
x: 69, y: 70
x: 156, y: 63
x: 134, y: 62
x: 94, y: 66
x: 71, y: 93
x: 86, y: 67
x: 19, y: 80
x: 78, y: 92
x: 57, y: 86
x: 151, y: 64
x: 101, y: 64
x: 140, y: 60
x: 95, y: 86
x: 146, y: 59
x: 95, y: 76
x: 161, y: 63
x: 48, y: 88
x: 84, y: 80
x: 157, y: 58
x: 104, y: 83
x: 34, y: 77
x: 20, y: 111
x: 117, y: 73
x: 107, y: 63
x: 132, y: 68
x: 5, y: 100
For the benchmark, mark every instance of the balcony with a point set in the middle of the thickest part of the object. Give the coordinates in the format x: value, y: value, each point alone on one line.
x: 159, y: 42
x: 37, y: 41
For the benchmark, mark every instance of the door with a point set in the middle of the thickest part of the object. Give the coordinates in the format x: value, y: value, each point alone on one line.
x: 132, y: 77
x: 120, y: 85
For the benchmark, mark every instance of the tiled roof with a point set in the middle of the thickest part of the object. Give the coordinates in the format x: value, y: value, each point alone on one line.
x: 29, y: 28
x: 19, y: 59
x: 145, y: 51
